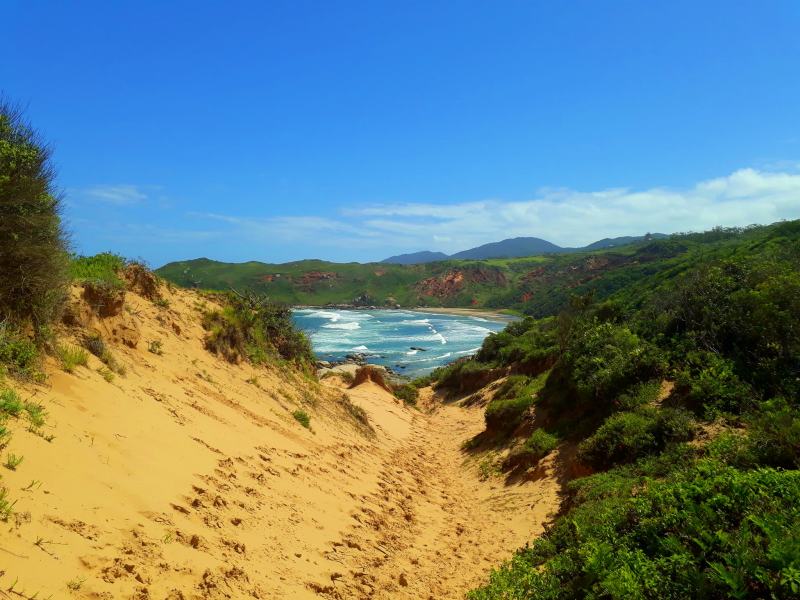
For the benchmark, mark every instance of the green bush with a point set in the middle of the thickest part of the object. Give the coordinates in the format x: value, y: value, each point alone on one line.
x: 709, y: 531
x: 10, y: 403
x: 605, y: 359
x: 775, y: 434
x: 536, y: 447
x: 627, y: 436
x: 506, y: 415
x: 708, y: 384
x: 302, y: 417
x: 71, y: 357
x: 465, y: 376
x: 33, y: 260
x: 101, y: 269
x: 253, y: 328
x: 407, y: 392
x: 18, y: 353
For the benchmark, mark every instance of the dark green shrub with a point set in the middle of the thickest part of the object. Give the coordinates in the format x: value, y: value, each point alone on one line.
x: 18, y: 353
x: 536, y: 447
x: 709, y: 531
x: 775, y: 434
x: 465, y: 376
x: 407, y: 392
x: 506, y: 415
x: 708, y: 384
x: 627, y: 436
x: 605, y: 359
x: 253, y: 328
x: 33, y: 259
x: 302, y: 417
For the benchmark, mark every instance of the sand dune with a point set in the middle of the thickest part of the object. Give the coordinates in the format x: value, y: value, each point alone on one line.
x: 189, y: 478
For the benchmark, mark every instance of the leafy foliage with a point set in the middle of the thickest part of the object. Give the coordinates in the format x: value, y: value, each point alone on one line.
x: 33, y: 259
x: 661, y: 518
x: 254, y: 328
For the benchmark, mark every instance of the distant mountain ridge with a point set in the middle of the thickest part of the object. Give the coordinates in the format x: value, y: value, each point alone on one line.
x: 515, y: 248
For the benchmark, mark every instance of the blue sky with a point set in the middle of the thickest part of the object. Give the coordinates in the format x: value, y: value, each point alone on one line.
x: 354, y: 130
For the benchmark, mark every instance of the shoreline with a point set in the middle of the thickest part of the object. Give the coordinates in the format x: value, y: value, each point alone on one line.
x: 484, y: 313
x: 493, y: 315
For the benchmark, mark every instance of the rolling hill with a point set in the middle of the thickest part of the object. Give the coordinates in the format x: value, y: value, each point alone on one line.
x: 535, y: 285
x: 516, y: 248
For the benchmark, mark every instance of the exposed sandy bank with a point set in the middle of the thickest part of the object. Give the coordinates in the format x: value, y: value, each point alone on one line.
x: 189, y: 478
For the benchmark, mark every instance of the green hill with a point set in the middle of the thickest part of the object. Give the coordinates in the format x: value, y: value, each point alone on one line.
x: 537, y: 285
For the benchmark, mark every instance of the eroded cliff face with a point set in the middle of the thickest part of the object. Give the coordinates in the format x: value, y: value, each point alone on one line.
x: 453, y: 282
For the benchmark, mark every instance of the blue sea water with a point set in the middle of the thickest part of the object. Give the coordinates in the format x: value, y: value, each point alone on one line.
x: 386, y: 337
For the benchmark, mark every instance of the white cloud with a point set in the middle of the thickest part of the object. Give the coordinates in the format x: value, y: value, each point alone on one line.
x: 118, y: 195
x: 563, y: 216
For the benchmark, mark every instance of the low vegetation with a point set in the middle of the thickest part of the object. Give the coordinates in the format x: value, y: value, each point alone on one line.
x: 680, y: 389
x: 252, y: 328
x: 303, y: 418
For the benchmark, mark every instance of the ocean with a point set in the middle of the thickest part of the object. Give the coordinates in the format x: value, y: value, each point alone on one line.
x: 412, y: 343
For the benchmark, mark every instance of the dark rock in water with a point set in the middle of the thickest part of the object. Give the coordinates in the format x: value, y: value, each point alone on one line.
x: 357, y: 358
x: 420, y: 349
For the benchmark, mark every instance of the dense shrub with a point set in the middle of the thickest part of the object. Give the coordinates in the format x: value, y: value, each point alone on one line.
x: 506, y: 415
x: 253, y: 328
x: 536, y: 447
x: 708, y: 384
x: 408, y: 393
x: 33, y: 255
x: 464, y: 376
x: 101, y: 269
x: 711, y: 532
x: 18, y: 353
x: 511, y: 401
x: 605, y: 359
x: 627, y: 436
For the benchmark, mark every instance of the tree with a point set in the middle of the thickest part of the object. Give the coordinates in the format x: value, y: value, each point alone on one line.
x: 33, y: 247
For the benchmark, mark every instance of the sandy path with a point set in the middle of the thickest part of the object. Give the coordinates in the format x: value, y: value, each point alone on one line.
x: 433, y: 528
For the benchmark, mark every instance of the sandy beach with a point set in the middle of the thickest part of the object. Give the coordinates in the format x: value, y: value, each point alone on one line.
x: 470, y: 312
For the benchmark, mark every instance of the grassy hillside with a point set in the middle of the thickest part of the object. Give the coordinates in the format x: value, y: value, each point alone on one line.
x: 674, y: 406
x: 537, y: 285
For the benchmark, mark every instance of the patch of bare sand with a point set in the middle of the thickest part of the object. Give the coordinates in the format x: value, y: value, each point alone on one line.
x: 189, y: 478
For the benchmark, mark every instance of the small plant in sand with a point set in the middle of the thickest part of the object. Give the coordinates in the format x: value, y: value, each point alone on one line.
x: 253, y: 381
x: 161, y: 302
x: 71, y: 357
x: 6, y: 506
x: 76, y: 584
x: 106, y: 374
x: 10, y: 403
x: 5, y: 434
x: 302, y: 417
x: 155, y: 347
x: 13, y: 461
x: 97, y: 346
x: 36, y: 414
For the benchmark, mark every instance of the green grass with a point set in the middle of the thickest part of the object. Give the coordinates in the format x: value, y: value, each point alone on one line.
x: 71, y: 357
x: 155, y: 347
x: 303, y: 418
x: 13, y: 461
x: 6, y: 505
x: 10, y: 403
x: 101, y: 269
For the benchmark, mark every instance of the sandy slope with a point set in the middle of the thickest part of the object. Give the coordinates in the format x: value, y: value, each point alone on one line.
x: 184, y: 480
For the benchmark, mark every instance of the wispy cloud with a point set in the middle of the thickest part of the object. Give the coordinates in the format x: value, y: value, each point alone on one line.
x: 118, y: 194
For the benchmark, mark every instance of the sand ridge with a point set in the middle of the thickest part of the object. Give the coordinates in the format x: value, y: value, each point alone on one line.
x: 189, y: 478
